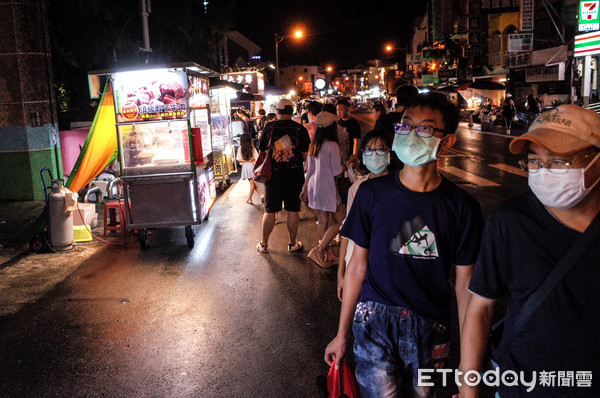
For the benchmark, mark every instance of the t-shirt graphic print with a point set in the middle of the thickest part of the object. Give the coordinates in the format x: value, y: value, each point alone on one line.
x: 415, y: 239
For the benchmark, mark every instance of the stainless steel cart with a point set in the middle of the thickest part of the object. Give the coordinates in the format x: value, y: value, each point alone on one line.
x: 164, y: 185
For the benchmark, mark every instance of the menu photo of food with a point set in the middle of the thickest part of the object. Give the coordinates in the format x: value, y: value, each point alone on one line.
x: 151, y: 95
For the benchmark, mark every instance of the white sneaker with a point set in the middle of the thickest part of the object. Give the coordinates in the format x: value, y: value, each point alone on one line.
x: 262, y: 248
x: 295, y: 247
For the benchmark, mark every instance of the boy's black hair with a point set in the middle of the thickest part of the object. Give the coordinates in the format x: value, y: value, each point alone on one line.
x: 315, y: 107
x: 262, y: 112
x: 405, y: 92
x: 438, y: 102
x: 329, y: 107
x: 343, y: 102
x: 379, y: 108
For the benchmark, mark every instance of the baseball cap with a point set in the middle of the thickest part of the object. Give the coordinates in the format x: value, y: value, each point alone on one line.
x: 282, y: 103
x: 564, y: 130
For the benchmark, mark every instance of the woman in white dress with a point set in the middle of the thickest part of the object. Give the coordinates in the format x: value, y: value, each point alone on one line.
x: 323, y: 165
x: 247, y: 156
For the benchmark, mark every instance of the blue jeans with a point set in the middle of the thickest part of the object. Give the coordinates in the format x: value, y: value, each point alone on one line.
x: 390, y: 345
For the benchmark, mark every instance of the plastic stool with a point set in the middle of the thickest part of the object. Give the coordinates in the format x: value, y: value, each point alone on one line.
x: 110, y: 218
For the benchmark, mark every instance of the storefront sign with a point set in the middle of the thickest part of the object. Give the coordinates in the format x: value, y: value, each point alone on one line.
x: 198, y: 91
x: 589, y: 18
x: 155, y: 94
x: 254, y: 82
x: 447, y: 73
x: 429, y: 80
x: 520, y: 42
x: 587, y: 44
x: 499, y: 5
x: 526, y: 15
x: 518, y: 60
x: 413, y: 59
x: 545, y: 73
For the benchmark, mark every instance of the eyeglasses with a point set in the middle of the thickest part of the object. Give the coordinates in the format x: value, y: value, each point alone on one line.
x: 377, y: 151
x: 556, y: 166
x: 421, y: 131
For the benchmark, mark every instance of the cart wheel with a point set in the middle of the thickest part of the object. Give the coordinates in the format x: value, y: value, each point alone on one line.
x: 228, y: 181
x: 143, y: 238
x: 206, y: 216
x: 221, y: 185
x: 189, y: 235
x: 37, y: 244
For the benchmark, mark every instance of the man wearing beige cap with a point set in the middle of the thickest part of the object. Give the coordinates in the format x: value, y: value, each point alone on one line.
x: 541, y: 252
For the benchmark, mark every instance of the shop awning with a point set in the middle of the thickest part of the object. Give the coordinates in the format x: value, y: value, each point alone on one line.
x: 486, y: 85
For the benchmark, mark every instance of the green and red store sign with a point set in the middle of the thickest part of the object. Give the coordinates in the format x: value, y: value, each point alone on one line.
x: 589, y: 17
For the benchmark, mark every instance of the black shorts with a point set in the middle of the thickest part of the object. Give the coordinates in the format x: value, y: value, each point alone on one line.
x: 286, y: 189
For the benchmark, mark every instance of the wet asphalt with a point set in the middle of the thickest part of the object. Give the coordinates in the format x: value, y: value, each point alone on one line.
x: 219, y: 320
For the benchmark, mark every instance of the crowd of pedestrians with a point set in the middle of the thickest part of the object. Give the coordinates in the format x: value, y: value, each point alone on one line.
x: 405, y: 230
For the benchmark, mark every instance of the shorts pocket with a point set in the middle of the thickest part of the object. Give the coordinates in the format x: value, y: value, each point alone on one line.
x: 364, y: 314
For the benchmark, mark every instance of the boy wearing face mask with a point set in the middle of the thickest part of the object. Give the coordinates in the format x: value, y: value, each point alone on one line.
x: 409, y: 227
x: 524, y: 240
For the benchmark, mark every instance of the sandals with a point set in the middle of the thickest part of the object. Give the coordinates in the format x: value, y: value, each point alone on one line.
x: 249, y: 201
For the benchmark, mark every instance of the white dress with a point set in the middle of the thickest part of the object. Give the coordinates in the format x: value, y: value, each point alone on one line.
x: 247, y: 167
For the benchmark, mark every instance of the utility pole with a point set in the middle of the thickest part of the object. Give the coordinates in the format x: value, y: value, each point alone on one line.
x: 146, y: 9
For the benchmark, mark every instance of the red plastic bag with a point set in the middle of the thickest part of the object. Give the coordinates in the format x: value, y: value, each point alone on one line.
x: 344, y: 388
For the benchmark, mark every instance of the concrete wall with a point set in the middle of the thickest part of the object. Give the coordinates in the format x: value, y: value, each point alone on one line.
x: 28, y: 124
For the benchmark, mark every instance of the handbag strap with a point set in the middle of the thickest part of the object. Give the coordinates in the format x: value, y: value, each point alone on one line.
x: 534, y: 301
x: 271, y: 135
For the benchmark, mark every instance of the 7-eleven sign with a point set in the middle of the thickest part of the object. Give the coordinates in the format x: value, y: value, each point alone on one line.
x: 589, y: 17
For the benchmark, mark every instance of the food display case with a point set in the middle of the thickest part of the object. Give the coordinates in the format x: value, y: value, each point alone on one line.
x: 222, y: 137
x: 163, y: 126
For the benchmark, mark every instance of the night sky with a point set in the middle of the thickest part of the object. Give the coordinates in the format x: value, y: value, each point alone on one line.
x: 339, y: 33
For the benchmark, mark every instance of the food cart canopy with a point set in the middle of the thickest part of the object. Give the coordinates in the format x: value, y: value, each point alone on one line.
x: 100, y: 146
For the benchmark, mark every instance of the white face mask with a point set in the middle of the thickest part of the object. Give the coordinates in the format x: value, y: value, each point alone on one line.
x: 415, y: 151
x: 561, y: 191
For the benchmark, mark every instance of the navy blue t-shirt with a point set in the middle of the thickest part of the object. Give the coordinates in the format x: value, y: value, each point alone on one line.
x: 521, y: 244
x: 413, y: 239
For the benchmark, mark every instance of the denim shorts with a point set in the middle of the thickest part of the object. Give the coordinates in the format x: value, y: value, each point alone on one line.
x: 390, y: 345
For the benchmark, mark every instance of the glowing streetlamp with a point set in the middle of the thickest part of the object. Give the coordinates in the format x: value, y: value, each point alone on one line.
x: 278, y: 39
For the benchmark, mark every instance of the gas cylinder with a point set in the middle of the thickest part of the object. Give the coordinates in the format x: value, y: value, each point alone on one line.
x: 61, y: 220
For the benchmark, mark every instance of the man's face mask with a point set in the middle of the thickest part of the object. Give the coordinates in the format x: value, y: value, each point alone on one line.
x: 560, y: 188
x: 415, y: 146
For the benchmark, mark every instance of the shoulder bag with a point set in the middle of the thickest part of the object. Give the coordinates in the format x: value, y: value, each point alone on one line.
x: 502, y: 339
x: 263, y: 171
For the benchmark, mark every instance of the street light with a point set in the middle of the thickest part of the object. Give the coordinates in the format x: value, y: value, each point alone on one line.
x: 279, y: 39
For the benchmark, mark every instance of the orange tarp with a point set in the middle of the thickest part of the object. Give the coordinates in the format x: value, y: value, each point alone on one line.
x: 100, y: 147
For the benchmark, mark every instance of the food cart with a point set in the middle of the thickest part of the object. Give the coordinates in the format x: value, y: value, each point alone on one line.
x: 164, y: 141
x: 222, y: 136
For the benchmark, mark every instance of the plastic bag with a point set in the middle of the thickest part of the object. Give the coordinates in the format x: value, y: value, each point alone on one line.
x: 346, y: 387
x: 351, y: 175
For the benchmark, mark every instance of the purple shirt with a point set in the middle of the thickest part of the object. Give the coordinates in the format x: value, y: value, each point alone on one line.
x: 320, y: 175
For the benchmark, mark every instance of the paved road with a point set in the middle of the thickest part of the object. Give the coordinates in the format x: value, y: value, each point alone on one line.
x: 221, y: 320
